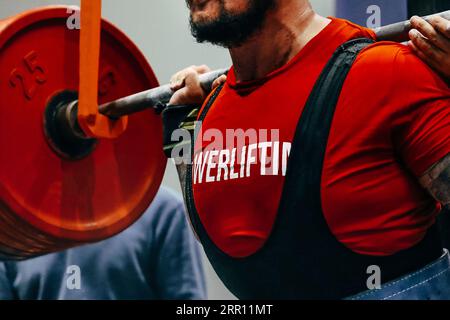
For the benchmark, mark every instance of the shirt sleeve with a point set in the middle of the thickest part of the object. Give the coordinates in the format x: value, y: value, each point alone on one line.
x: 422, y: 120
x: 179, y: 268
x: 6, y: 291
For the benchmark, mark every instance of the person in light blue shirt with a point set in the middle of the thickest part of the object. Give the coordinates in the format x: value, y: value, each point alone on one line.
x: 156, y: 258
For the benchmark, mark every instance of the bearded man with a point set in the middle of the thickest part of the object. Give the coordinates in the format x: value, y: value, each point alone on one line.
x: 367, y: 174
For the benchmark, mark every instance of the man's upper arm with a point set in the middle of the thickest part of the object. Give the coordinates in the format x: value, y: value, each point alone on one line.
x: 419, y: 111
x: 425, y: 137
x: 412, y: 104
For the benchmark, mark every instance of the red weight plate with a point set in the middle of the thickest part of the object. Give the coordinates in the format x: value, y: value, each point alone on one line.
x: 72, y: 200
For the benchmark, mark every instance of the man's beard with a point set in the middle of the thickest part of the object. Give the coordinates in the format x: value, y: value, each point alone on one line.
x: 232, y: 30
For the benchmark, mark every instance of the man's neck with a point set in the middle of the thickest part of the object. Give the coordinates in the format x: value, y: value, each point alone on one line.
x: 286, y: 31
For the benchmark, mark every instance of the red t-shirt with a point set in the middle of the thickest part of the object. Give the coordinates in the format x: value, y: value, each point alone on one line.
x: 392, y: 123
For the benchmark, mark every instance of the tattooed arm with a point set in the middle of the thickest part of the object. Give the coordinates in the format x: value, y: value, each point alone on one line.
x: 437, y: 181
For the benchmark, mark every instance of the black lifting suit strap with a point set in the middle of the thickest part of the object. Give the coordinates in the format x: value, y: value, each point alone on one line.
x: 302, y: 259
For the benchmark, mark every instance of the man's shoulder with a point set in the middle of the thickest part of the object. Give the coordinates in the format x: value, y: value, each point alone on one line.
x: 387, y: 54
x: 393, y: 65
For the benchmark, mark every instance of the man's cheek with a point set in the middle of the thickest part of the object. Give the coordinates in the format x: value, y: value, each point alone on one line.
x: 237, y: 6
x: 206, y: 12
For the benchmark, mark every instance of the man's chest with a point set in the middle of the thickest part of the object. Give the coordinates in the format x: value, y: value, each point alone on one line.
x: 244, y: 146
x: 245, y: 139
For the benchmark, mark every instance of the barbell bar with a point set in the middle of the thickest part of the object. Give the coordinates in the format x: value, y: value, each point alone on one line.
x: 398, y: 32
x: 150, y: 98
